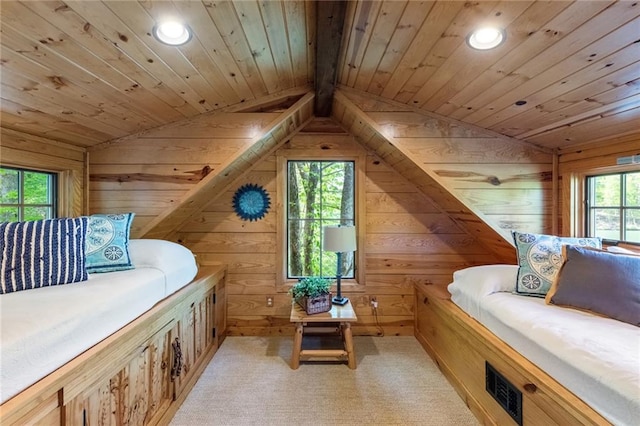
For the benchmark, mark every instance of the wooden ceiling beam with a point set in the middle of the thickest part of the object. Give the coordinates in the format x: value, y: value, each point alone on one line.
x: 216, y: 183
x: 469, y: 219
x: 261, y: 104
x: 330, y: 24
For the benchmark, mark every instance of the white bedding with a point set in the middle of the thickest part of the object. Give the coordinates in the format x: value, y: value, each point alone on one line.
x: 596, y: 358
x: 42, y: 329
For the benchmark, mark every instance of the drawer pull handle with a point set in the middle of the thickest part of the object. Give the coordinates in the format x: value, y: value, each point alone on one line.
x: 177, y: 359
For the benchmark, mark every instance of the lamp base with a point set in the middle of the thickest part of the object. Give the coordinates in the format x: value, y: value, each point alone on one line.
x: 339, y: 300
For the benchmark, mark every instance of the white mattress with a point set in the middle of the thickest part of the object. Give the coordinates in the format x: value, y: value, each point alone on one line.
x: 44, y: 328
x: 596, y: 358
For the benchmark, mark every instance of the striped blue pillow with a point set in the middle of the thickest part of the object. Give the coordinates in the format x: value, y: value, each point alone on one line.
x: 42, y: 253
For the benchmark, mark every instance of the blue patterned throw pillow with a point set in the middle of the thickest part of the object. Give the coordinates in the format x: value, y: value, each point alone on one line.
x: 540, y: 259
x: 108, y: 242
x: 42, y: 253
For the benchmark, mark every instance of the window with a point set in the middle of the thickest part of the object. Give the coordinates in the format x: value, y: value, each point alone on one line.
x: 26, y: 195
x: 319, y: 193
x: 613, y: 206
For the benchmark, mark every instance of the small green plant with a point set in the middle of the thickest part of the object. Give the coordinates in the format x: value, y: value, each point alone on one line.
x: 310, y: 287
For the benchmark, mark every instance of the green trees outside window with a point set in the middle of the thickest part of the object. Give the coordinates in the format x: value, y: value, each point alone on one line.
x: 613, y: 206
x: 319, y: 193
x: 26, y: 195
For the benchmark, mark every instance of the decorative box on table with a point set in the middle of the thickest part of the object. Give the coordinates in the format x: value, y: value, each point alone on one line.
x: 315, y: 305
x: 312, y: 294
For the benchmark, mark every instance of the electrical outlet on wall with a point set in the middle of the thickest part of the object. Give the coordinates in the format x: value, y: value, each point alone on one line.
x: 269, y: 301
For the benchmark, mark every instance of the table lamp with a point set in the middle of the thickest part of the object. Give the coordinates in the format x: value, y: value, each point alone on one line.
x: 339, y: 239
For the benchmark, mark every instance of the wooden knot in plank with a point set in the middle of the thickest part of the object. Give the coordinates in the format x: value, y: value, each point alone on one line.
x: 493, y: 180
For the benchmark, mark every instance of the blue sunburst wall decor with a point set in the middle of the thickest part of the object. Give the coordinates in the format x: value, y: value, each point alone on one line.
x: 251, y: 202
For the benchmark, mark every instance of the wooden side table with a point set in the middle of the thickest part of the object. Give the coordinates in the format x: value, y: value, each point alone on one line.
x: 341, y: 316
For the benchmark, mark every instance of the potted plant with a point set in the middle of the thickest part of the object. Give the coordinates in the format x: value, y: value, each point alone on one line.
x: 313, y: 294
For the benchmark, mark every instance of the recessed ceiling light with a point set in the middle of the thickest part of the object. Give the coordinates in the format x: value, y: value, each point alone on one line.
x: 486, y: 38
x: 173, y: 33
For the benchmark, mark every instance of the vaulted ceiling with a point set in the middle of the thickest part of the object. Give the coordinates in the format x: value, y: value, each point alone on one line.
x: 86, y: 72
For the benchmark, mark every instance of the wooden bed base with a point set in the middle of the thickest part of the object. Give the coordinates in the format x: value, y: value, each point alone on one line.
x: 460, y: 346
x: 129, y: 378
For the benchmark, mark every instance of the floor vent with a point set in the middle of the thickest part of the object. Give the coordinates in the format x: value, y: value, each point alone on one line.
x: 504, y: 393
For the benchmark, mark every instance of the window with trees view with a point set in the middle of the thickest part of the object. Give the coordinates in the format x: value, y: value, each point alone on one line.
x: 613, y: 206
x: 26, y: 195
x: 319, y: 193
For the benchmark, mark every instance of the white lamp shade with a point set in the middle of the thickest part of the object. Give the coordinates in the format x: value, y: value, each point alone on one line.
x: 339, y: 239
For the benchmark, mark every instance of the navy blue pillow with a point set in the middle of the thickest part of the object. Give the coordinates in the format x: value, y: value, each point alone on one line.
x: 42, y: 253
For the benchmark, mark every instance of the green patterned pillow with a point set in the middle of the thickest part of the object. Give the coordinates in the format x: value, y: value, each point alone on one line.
x: 107, y: 242
x: 540, y: 258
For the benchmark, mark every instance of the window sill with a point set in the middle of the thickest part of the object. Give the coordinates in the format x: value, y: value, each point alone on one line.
x: 346, y: 286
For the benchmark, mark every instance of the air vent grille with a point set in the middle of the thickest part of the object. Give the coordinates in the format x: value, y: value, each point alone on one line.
x: 506, y: 394
x: 631, y: 159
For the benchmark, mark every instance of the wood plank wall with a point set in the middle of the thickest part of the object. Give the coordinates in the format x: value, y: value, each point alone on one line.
x: 508, y: 181
x: 371, y: 135
x: 408, y: 239
x: 32, y: 152
x: 150, y: 173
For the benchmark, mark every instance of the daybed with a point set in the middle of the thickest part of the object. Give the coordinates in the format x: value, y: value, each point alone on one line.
x: 119, y: 347
x: 571, y: 366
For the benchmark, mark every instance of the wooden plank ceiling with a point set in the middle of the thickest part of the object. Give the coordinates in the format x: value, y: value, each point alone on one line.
x: 86, y: 72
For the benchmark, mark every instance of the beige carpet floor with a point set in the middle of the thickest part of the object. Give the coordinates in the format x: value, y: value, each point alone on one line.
x: 249, y: 382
